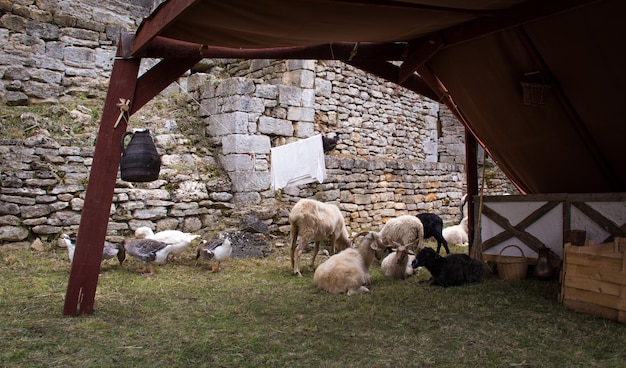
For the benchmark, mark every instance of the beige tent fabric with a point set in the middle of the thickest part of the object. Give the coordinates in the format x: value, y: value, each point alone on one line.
x: 572, y: 142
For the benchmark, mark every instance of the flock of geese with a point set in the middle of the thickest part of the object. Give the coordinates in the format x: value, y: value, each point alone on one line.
x: 152, y: 248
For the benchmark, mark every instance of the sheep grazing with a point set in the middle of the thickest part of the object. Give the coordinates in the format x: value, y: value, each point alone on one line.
x: 451, y: 270
x: 347, y: 271
x: 314, y: 221
x: 433, y: 227
x: 405, y: 229
x: 457, y: 234
x: 398, y: 264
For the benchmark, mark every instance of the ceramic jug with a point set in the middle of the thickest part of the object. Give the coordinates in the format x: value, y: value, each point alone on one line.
x: 543, y: 269
x: 140, y: 161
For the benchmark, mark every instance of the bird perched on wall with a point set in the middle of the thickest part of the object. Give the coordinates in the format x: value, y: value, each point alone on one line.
x: 178, y: 240
x: 329, y: 144
x: 109, y: 250
x: 147, y: 251
x: 217, y: 249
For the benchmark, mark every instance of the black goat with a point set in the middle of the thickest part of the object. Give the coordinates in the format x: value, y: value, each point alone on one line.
x: 433, y: 227
x: 329, y: 144
x: 451, y: 270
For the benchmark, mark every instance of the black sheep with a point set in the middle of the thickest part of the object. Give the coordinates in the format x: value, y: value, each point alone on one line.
x: 451, y: 270
x: 433, y: 227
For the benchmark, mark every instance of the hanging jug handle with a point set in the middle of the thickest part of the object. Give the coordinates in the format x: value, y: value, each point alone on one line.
x: 123, y: 138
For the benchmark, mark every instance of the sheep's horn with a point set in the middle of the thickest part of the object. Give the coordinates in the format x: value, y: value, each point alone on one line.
x: 353, y: 238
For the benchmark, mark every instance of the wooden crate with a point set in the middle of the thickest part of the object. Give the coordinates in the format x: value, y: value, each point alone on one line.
x: 593, y: 279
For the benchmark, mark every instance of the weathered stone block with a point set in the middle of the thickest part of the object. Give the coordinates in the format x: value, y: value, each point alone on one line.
x: 273, y: 126
x: 266, y: 91
x: 228, y: 123
x: 323, y: 87
x: 305, y: 114
x: 78, y: 56
x: 246, y: 198
x: 237, y: 162
x: 299, y: 78
x: 289, y: 95
x: 240, y: 143
x: 242, y: 103
x: 254, y: 181
x: 13, y: 233
x: 304, y: 129
x: 235, y: 86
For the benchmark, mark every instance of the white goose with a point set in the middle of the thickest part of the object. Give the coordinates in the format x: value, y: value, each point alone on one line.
x: 217, y: 250
x: 109, y: 250
x: 178, y: 240
x: 147, y: 251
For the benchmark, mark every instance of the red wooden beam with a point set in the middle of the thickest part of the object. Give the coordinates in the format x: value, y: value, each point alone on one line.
x: 162, y: 47
x: 152, y: 82
x: 81, y: 288
x: 166, y: 13
x: 419, y: 55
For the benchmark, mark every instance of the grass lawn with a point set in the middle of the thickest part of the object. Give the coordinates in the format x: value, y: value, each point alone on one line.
x: 254, y: 313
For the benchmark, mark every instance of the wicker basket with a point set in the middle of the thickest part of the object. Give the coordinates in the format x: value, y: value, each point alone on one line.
x: 512, y: 268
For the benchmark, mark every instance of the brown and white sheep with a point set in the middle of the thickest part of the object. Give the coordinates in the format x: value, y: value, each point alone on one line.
x: 315, y: 221
x: 348, y: 270
x: 405, y: 229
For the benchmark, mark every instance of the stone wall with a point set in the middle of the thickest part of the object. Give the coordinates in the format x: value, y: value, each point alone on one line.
x: 44, y: 179
x: 52, y: 49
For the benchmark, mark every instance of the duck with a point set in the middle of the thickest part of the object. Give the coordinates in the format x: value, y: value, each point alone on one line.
x: 217, y: 249
x: 147, y: 251
x: 179, y: 241
x: 109, y: 250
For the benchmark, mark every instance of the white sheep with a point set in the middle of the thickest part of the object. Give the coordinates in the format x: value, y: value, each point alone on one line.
x: 397, y: 264
x: 347, y: 271
x: 457, y: 234
x: 314, y: 221
x: 405, y: 229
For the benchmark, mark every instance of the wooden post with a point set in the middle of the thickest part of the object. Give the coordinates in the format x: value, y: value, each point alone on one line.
x: 123, y: 85
x: 471, y: 169
x: 81, y: 288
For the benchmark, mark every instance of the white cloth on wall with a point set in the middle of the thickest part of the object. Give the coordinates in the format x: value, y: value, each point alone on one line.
x: 298, y: 163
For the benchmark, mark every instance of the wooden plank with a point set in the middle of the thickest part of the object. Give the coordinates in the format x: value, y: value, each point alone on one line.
x: 613, y: 260
x: 606, y: 249
x: 585, y: 283
x: 561, y: 197
x: 616, y: 277
x: 591, y: 308
x: 610, y: 301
